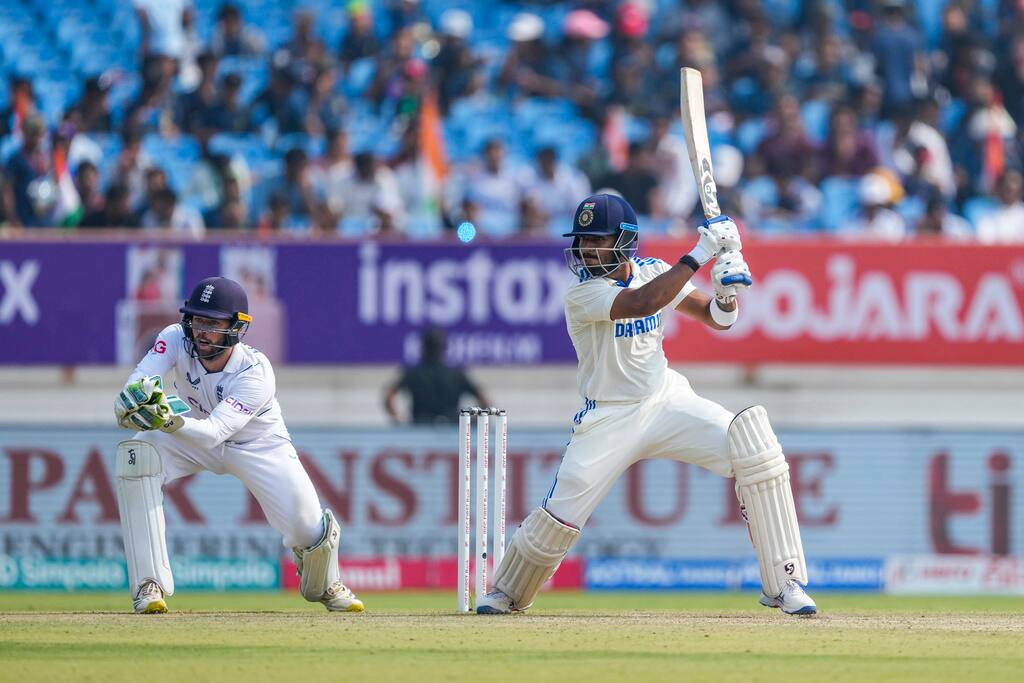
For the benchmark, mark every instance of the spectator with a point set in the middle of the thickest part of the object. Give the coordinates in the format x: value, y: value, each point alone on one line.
x: 232, y: 37
x: 395, y: 70
x: 8, y: 212
x: 304, y: 53
x: 637, y: 183
x: 786, y: 150
x: 919, y: 154
x: 195, y: 107
x: 22, y: 104
x: 166, y: 213
x: 455, y: 66
x: 676, y: 188
x: 155, y: 110
x: 232, y: 212
x: 877, y: 220
x: 91, y: 114
x: 434, y: 387
x: 228, y: 114
x: 359, y: 42
x: 280, y: 106
x: 326, y: 108
x: 826, y: 77
x: 848, y: 150
x: 87, y: 182
x: 1006, y: 223
x: 534, y: 222
x: 898, y: 57
x: 1010, y: 78
x: 26, y: 169
x: 116, y: 211
x: 368, y: 199
x: 555, y: 191
x: 938, y: 223
x: 277, y: 216
x: 528, y: 66
x: 494, y: 188
x: 986, y: 143
x: 132, y: 167
x: 156, y: 181
x: 163, y: 24
x: 336, y: 164
x: 296, y: 187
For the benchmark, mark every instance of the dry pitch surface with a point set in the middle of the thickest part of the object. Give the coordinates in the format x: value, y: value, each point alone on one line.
x: 569, y: 637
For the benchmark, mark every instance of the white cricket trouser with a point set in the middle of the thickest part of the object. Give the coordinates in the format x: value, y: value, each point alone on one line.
x: 673, y: 423
x: 269, y: 467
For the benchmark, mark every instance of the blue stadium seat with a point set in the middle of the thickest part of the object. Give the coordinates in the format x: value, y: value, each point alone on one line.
x: 815, y: 115
x: 977, y: 208
x: 840, y: 201
x: 749, y: 134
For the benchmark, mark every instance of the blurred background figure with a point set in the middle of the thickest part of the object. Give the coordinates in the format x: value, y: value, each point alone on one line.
x: 433, y: 387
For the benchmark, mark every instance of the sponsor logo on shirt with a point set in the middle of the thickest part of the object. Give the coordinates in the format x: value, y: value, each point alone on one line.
x: 238, y: 405
x: 160, y: 347
x: 634, y: 328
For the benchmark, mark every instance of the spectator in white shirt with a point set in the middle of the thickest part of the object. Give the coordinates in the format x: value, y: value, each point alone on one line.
x: 1006, y: 223
x: 495, y: 189
x: 367, y: 199
x: 556, y: 188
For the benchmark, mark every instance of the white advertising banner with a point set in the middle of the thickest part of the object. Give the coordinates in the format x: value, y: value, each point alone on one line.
x: 858, y: 494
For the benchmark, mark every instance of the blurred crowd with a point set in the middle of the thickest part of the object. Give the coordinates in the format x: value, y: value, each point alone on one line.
x: 886, y: 119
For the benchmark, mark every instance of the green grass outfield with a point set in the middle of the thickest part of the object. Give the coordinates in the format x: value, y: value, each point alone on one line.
x: 589, y: 637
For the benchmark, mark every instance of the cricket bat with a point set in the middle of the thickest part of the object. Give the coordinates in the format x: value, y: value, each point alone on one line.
x: 695, y: 128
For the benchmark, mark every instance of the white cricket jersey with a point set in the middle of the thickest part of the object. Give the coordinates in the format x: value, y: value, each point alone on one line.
x: 619, y: 360
x: 236, y: 405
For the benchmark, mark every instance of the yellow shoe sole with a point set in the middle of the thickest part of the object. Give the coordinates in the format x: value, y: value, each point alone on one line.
x: 156, y: 607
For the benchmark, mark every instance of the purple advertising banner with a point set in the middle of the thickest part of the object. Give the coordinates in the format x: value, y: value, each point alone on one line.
x: 103, y: 302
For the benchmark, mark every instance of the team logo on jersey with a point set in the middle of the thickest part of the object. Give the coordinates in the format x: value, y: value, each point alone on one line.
x: 193, y: 382
x: 207, y: 293
x: 220, y: 392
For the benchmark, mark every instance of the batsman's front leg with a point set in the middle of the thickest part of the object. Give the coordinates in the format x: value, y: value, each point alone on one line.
x: 766, y: 498
x: 537, y: 549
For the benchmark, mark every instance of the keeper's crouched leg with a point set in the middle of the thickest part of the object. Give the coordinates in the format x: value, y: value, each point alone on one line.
x: 766, y: 498
x: 538, y: 547
x: 140, y: 503
x: 319, y: 573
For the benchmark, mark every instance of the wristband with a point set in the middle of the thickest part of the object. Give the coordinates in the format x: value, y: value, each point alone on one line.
x: 724, y: 318
x: 691, y: 262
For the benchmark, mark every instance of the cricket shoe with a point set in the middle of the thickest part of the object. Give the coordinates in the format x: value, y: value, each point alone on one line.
x: 339, y: 598
x: 792, y: 600
x: 495, y: 602
x: 150, y: 599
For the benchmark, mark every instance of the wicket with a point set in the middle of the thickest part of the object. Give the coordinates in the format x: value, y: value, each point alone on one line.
x: 482, y: 416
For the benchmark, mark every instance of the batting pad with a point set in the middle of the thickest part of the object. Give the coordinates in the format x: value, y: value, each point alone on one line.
x: 762, y: 484
x: 318, y: 564
x: 140, y: 502
x: 537, y: 548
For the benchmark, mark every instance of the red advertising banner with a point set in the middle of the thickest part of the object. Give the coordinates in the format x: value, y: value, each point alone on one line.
x: 820, y: 301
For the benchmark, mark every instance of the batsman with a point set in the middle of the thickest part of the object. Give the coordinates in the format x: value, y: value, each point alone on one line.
x: 635, y: 407
x: 239, y: 430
